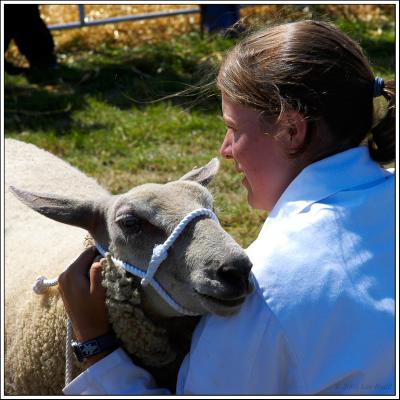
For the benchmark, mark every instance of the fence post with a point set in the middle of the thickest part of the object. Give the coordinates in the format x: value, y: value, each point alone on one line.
x: 82, y: 14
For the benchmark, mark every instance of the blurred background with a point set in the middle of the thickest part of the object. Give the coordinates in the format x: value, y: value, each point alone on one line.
x: 130, y: 102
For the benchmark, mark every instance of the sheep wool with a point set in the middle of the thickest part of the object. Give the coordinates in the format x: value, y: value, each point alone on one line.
x: 150, y: 344
x: 35, y: 326
x: 42, y: 330
x: 35, y: 330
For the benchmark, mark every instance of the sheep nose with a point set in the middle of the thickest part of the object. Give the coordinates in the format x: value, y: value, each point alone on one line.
x: 236, y: 274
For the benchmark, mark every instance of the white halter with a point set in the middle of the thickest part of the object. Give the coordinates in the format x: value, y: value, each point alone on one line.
x: 160, y: 253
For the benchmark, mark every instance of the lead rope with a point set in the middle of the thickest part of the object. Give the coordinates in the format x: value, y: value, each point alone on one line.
x: 160, y: 253
x: 41, y: 285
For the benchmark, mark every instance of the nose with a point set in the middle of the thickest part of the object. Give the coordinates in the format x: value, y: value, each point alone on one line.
x: 236, y: 274
x: 226, y: 147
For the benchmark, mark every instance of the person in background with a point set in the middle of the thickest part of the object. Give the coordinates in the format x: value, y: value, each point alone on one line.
x: 298, y: 102
x: 23, y: 24
x: 219, y: 17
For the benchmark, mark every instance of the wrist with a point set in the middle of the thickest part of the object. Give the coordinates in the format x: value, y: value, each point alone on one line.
x: 88, y: 334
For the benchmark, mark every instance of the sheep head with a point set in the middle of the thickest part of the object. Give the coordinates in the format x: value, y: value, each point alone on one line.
x: 206, y: 271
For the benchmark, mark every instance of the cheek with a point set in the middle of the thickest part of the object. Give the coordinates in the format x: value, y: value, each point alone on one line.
x: 242, y: 150
x: 249, y: 154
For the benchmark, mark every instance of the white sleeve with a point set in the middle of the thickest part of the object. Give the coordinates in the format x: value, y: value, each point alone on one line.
x: 244, y: 354
x: 115, y: 374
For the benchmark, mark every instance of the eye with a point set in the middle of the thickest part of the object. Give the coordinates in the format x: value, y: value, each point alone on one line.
x: 129, y: 222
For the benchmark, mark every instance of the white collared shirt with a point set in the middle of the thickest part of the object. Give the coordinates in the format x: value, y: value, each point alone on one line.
x: 321, y: 318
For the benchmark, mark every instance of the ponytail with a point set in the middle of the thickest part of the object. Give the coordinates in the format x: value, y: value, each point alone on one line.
x: 382, y: 145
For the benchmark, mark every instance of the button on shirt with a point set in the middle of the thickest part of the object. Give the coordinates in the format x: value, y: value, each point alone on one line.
x: 321, y: 317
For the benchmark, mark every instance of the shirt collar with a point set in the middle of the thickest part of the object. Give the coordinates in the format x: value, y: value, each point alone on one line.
x: 350, y: 168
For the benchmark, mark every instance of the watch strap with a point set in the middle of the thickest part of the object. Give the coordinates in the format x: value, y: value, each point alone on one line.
x: 95, y: 346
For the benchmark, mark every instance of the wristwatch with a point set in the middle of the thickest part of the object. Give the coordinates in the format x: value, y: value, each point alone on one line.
x: 94, y: 346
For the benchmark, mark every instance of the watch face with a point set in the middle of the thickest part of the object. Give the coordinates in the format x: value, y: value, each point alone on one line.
x: 89, y: 348
x: 86, y: 349
x: 95, y: 346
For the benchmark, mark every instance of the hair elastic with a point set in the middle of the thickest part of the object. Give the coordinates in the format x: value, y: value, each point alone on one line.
x: 378, y: 86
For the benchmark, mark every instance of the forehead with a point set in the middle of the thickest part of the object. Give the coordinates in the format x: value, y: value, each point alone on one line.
x: 173, y: 199
x: 238, y: 113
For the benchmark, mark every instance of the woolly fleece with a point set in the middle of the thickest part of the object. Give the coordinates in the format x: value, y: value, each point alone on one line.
x: 35, y: 326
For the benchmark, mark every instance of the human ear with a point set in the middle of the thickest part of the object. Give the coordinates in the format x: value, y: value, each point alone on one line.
x: 294, y: 132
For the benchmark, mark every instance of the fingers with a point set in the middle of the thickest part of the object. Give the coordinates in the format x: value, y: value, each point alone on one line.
x: 84, y: 298
x: 96, y: 278
x: 77, y: 272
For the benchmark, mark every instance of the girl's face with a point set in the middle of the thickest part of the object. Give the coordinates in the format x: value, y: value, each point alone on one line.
x: 258, y: 153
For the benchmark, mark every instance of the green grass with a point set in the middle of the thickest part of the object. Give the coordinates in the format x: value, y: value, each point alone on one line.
x: 102, y: 113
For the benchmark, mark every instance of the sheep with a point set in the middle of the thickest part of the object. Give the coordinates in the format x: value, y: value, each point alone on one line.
x: 206, y: 271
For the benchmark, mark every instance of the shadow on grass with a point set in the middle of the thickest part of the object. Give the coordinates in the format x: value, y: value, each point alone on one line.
x: 377, y: 41
x: 47, y: 100
x: 382, y: 54
x: 128, y: 78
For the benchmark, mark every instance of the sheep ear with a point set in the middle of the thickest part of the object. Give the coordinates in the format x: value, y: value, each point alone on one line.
x: 203, y: 175
x: 62, y: 209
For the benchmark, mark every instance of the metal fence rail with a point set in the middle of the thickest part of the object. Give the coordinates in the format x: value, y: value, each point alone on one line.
x: 83, y: 21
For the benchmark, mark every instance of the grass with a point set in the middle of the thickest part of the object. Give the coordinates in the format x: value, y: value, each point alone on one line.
x: 102, y: 112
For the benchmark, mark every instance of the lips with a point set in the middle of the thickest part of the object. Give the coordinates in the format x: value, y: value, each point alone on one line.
x: 220, y: 301
x: 238, y: 169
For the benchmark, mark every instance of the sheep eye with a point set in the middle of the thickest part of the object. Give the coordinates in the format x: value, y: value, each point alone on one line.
x: 129, y: 222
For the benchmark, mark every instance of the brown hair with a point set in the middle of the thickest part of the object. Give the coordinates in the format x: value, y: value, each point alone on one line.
x: 314, y: 68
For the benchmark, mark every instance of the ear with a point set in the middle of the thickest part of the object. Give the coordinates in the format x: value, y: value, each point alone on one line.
x: 203, y: 175
x: 62, y: 209
x: 295, y: 136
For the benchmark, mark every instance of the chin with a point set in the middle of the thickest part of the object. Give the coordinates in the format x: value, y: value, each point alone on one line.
x: 253, y: 203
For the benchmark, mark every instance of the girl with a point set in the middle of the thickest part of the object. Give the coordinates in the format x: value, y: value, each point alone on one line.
x: 297, y: 100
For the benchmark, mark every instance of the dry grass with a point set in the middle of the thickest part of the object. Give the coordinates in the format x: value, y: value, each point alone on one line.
x: 146, y: 31
x: 127, y: 33
x: 149, y: 31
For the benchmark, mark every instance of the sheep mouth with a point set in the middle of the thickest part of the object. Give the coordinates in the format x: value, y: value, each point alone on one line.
x: 235, y: 302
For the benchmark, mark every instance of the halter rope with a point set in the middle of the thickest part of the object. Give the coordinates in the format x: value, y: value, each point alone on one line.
x: 160, y: 253
x: 40, y: 287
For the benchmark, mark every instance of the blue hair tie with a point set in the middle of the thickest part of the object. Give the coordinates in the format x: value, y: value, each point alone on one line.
x: 378, y: 86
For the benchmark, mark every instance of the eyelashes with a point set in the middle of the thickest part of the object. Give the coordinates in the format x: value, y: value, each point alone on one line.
x: 133, y: 225
x: 130, y: 223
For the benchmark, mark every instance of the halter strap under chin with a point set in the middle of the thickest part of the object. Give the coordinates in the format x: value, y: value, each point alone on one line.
x: 160, y: 253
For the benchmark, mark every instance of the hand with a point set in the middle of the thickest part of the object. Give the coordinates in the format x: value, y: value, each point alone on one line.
x: 84, y: 300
